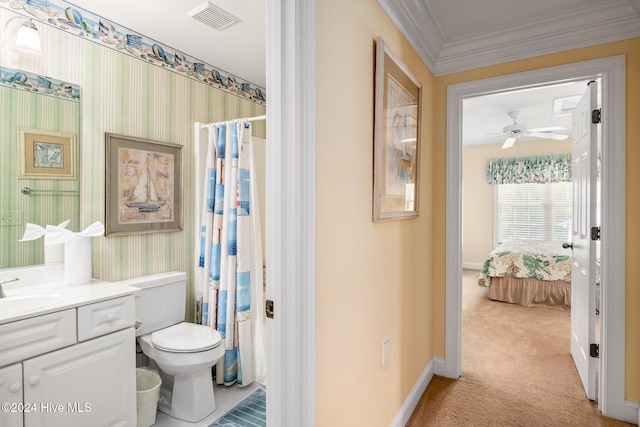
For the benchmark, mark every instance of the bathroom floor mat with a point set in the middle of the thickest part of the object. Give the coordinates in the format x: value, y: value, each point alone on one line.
x: 251, y: 412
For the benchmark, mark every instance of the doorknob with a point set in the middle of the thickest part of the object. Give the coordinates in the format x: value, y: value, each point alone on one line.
x: 567, y: 245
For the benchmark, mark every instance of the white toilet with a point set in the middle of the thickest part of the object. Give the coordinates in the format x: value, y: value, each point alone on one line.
x: 183, y: 352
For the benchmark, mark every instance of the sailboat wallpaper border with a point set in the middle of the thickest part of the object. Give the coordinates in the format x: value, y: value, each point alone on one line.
x: 143, y: 186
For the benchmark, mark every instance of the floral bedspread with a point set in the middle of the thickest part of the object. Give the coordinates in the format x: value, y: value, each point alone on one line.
x: 526, y: 258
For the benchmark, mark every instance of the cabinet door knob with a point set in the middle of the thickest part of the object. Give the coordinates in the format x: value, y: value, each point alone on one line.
x: 111, y: 317
x: 34, y: 380
x: 15, y: 387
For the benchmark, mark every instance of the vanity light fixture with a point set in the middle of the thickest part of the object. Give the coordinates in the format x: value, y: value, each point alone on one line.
x: 27, y: 37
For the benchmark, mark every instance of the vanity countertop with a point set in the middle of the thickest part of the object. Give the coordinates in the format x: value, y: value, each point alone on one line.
x: 64, y: 297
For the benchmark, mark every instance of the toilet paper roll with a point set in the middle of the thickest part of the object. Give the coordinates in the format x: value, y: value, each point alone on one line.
x: 77, y: 260
x: 54, y: 253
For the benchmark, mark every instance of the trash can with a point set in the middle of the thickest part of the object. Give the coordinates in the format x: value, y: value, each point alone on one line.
x: 147, y: 393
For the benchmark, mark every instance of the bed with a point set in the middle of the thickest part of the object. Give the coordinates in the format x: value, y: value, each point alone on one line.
x: 529, y: 273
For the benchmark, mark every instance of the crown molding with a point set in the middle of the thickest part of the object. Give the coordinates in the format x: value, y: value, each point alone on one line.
x: 415, y: 22
x: 582, y: 28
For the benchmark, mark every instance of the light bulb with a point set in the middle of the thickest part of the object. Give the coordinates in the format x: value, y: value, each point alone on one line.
x: 28, y: 40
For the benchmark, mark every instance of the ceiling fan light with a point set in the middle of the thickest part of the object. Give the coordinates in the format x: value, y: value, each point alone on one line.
x: 516, y: 127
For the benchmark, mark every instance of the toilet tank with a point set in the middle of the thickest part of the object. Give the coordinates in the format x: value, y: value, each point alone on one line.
x: 161, y: 302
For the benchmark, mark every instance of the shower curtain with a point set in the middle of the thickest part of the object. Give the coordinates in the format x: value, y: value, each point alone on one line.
x: 229, y: 280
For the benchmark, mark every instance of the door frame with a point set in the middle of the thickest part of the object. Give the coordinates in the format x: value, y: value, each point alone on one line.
x: 612, y: 300
x: 291, y: 212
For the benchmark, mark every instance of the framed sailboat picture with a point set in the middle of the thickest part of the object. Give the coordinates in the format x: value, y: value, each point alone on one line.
x: 143, y: 186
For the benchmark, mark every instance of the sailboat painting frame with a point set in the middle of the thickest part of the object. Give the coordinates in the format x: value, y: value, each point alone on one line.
x: 143, y: 186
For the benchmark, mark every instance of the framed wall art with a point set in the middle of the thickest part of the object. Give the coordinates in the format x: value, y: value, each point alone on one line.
x: 143, y: 186
x: 46, y: 154
x: 396, y: 138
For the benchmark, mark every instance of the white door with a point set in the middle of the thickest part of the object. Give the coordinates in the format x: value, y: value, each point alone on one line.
x: 583, y: 288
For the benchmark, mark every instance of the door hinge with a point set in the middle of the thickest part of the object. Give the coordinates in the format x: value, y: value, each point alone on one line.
x: 596, y: 116
x: 268, y: 308
x: 594, y: 350
x: 595, y: 233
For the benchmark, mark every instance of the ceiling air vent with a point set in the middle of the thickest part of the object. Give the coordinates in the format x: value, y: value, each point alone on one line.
x: 564, y: 106
x: 213, y: 16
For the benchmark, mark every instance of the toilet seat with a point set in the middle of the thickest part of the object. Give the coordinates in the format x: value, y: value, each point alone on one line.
x: 186, y: 338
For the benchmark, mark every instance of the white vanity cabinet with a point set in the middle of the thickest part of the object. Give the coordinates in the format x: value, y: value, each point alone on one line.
x: 83, y: 385
x: 11, y: 395
x: 75, y: 367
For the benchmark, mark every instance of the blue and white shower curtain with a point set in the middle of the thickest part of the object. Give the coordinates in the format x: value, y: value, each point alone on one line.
x: 226, y: 258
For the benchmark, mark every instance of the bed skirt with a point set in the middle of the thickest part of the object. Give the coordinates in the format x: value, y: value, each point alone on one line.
x: 531, y: 292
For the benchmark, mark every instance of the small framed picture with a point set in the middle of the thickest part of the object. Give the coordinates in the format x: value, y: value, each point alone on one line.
x: 46, y: 154
x: 143, y: 186
x: 396, y: 138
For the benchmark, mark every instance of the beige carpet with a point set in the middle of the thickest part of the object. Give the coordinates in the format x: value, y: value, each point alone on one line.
x: 516, y: 370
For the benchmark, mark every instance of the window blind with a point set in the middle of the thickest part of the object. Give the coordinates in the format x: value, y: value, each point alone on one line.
x: 533, y: 212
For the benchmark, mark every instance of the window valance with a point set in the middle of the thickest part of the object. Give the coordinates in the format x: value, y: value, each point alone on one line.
x: 528, y: 170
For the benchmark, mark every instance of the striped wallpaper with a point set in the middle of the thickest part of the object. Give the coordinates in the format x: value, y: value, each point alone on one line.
x: 125, y: 95
x: 26, y: 110
x: 88, y: 26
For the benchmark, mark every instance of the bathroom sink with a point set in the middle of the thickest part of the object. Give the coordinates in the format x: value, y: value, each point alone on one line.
x: 23, y: 304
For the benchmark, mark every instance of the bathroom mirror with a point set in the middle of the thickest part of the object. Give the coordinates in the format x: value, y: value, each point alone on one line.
x: 39, y: 170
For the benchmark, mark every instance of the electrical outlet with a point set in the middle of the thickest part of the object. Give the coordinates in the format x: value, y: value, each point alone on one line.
x: 385, y: 350
x: 10, y: 218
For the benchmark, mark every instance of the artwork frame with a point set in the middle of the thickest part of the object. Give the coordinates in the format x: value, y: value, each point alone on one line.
x: 47, y: 154
x: 397, y: 127
x: 143, y: 183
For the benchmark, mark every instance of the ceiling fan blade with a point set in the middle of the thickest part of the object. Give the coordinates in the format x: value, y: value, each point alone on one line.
x: 508, y: 143
x: 545, y: 135
x: 547, y: 129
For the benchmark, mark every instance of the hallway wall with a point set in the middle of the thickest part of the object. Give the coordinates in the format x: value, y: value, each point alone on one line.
x: 373, y: 279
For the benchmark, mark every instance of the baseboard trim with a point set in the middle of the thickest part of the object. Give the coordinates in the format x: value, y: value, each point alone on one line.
x: 439, y: 366
x: 632, y: 412
x: 472, y: 265
x: 411, y: 402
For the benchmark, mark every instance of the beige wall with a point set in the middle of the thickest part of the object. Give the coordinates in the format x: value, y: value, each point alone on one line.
x: 631, y: 50
x: 373, y: 280
x: 378, y: 279
x: 477, y: 194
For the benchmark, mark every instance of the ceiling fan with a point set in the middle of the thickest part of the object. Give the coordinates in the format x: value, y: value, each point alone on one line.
x: 517, y: 130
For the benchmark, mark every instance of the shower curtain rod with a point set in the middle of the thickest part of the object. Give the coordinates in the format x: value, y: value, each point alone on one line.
x: 249, y: 119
